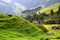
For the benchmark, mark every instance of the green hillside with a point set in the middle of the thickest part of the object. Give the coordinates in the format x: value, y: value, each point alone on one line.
x: 16, y: 28
x: 49, y: 8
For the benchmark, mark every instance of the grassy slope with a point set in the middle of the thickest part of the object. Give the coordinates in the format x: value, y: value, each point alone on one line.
x: 16, y: 28
x: 47, y: 9
x: 49, y: 27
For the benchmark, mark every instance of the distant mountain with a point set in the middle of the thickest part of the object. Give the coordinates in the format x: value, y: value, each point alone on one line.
x: 49, y: 8
x: 31, y: 11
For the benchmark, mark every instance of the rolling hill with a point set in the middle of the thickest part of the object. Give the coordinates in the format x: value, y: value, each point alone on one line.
x: 13, y: 27
x: 17, y: 28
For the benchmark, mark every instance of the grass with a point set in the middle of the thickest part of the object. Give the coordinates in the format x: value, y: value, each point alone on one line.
x: 49, y: 27
x: 17, y: 28
x: 49, y: 8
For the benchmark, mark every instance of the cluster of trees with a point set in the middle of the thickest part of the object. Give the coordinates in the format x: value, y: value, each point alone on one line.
x: 51, y: 18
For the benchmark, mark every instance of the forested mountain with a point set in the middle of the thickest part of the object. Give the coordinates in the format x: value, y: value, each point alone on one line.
x: 49, y: 15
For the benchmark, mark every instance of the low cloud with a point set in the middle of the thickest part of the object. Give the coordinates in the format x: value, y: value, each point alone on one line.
x: 47, y: 0
x: 20, y: 6
x: 42, y: 5
x: 3, y: 4
x: 7, y: 1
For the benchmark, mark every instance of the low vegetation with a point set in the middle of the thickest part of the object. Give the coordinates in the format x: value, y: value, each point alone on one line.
x: 46, y: 18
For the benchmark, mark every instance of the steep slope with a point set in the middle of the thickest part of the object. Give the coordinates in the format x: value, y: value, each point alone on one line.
x: 16, y: 28
x: 49, y: 8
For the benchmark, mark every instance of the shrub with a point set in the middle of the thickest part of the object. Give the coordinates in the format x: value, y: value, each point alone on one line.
x: 41, y: 38
x: 57, y: 37
x: 47, y: 39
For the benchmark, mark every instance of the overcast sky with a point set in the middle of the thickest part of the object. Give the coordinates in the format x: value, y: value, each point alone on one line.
x: 31, y: 3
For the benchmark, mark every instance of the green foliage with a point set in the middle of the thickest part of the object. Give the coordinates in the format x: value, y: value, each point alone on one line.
x: 45, y: 18
x: 4, y: 16
x: 17, y: 27
x: 48, y: 9
x: 47, y: 39
x: 57, y: 37
x: 41, y: 38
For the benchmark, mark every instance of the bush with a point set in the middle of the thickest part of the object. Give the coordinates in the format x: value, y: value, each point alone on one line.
x: 57, y: 37
x: 41, y: 38
x: 47, y: 39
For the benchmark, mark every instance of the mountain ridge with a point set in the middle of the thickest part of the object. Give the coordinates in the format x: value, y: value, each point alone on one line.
x: 31, y: 11
x: 47, y: 10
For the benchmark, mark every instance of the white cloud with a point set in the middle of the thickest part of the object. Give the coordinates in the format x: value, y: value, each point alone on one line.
x: 42, y: 6
x: 7, y: 1
x: 47, y: 0
x: 3, y: 4
x: 20, y: 6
